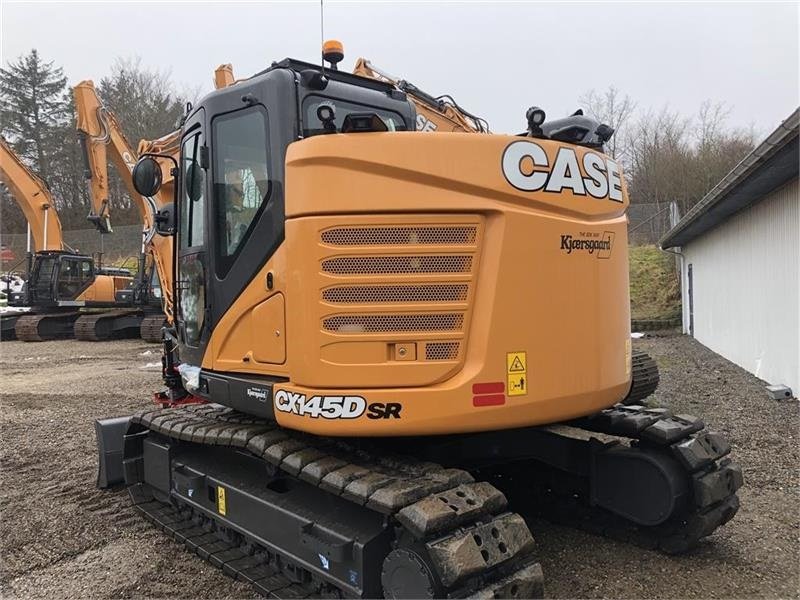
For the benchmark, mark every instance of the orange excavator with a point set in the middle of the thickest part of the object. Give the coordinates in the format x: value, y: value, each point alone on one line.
x: 392, y: 348
x: 60, y: 283
x: 101, y: 137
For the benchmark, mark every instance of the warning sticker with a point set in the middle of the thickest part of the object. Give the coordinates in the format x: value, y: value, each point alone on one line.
x: 221, y: 505
x: 517, y: 373
x: 628, y: 357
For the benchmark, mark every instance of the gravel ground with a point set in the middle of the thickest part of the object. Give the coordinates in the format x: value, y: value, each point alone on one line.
x: 59, y: 537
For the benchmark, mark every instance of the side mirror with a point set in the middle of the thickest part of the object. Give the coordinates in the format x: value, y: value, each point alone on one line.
x: 194, y: 181
x: 165, y: 220
x: 147, y: 176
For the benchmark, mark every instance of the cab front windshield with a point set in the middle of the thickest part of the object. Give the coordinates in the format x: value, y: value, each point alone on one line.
x: 313, y: 126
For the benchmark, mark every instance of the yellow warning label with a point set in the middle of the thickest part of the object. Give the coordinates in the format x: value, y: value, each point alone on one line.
x: 628, y: 356
x: 517, y: 383
x: 516, y: 373
x: 221, y: 506
x: 516, y: 362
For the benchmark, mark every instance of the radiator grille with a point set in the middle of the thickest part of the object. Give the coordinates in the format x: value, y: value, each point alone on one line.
x: 394, y: 323
x: 441, y: 350
x: 401, y: 236
x: 377, y: 294
x: 427, y: 262
x: 376, y: 265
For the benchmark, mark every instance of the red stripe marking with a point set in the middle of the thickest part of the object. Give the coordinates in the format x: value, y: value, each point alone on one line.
x: 493, y: 400
x: 495, y: 387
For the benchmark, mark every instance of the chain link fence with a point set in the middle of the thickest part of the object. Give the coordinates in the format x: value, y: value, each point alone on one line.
x: 120, y: 248
x: 647, y: 223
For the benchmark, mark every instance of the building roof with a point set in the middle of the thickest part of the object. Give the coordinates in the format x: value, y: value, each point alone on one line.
x: 773, y: 163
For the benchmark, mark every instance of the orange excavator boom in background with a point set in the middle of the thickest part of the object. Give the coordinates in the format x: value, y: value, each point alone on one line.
x: 440, y: 113
x: 33, y: 197
x: 102, y: 138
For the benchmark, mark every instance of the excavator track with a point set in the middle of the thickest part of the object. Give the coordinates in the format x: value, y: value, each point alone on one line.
x: 644, y: 377
x: 45, y: 326
x: 150, y: 329
x: 449, y: 535
x: 95, y: 327
x: 713, y: 480
x: 8, y: 323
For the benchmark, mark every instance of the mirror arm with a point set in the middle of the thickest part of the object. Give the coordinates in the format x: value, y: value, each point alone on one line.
x: 175, y: 172
x: 159, y: 155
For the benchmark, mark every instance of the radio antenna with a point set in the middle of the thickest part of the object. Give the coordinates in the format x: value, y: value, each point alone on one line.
x: 322, y: 35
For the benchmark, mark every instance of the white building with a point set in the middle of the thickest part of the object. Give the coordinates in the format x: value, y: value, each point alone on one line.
x: 739, y: 251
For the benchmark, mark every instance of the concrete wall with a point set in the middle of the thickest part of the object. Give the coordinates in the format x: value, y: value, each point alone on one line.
x: 746, y: 275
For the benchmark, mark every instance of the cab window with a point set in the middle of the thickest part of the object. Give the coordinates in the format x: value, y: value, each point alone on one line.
x: 313, y: 125
x: 241, y: 180
x: 193, y: 195
x: 74, y: 275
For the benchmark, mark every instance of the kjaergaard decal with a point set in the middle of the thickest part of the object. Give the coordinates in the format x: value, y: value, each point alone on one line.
x: 589, y: 243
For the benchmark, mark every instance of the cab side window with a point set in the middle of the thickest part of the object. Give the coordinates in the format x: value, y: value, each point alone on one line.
x: 241, y: 180
x: 74, y: 275
x: 193, y: 201
x: 86, y: 271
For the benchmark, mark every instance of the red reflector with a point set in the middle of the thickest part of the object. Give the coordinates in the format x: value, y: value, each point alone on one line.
x: 496, y: 387
x: 492, y: 400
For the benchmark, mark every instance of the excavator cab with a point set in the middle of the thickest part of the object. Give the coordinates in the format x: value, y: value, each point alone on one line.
x: 75, y: 273
x: 56, y: 277
x: 231, y: 215
x: 62, y: 278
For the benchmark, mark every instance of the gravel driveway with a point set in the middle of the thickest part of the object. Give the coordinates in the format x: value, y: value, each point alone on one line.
x: 60, y: 537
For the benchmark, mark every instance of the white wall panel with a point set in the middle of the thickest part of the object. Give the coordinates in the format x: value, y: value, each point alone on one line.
x: 746, y: 275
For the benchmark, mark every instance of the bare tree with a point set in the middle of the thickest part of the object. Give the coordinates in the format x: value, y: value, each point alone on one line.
x: 613, y: 109
x: 678, y: 159
x: 147, y: 106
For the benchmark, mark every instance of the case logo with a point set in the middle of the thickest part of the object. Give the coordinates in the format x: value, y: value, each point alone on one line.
x: 526, y: 167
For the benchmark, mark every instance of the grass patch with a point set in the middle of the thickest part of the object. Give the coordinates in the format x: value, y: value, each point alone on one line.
x: 655, y: 288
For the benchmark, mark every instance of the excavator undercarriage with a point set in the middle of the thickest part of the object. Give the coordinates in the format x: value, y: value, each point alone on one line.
x: 298, y: 515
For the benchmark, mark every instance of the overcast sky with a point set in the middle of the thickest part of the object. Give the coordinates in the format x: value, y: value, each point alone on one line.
x: 495, y: 59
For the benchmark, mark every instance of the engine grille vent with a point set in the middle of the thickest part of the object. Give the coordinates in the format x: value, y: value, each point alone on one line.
x: 401, y: 236
x: 394, y: 323
x: 369, y: 265
x: 441, y: 350
x: 376, y: 294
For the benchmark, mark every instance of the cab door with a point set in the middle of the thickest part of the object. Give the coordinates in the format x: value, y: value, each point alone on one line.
x: 75, y: 274
x: 192, y: 254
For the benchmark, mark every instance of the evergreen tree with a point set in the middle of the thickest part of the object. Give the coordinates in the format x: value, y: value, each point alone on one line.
x: 32, y: 108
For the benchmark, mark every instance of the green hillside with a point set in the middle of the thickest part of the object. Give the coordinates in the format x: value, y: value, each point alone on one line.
x: 655, y: 288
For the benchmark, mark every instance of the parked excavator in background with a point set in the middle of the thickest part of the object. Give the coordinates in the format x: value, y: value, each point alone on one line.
x: 101, y: 135
x: 59, y: 282
x: 390, y: 346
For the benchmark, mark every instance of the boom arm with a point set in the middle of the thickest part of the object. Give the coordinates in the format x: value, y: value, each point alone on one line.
x: 441, y: 114
x: 34, y: 198
x: 99, y: 131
